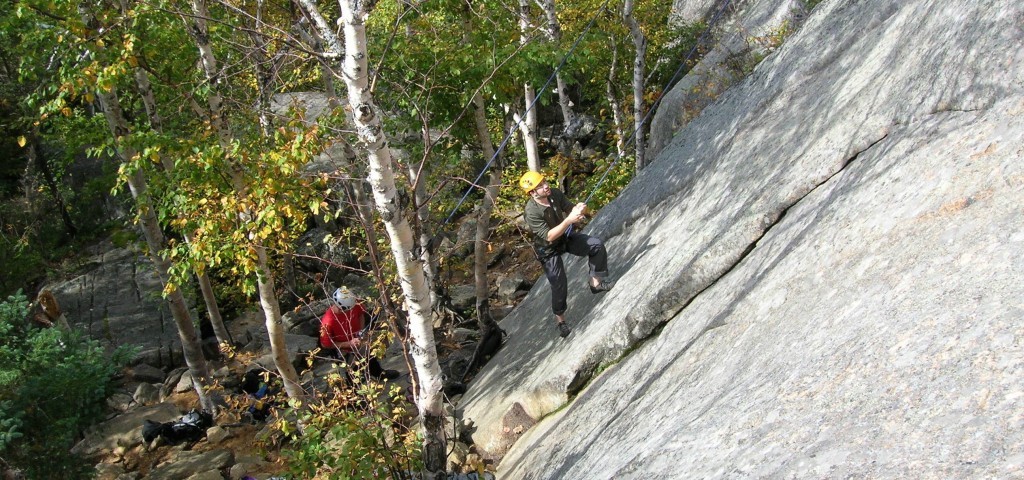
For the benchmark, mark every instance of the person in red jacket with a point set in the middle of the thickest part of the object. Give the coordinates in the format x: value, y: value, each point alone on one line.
x: 341, y: 333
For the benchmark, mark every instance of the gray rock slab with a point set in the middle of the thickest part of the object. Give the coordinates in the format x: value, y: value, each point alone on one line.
x: 862, y: 87
x: 124, y: 430
x: 743, y: 32
x: 118, y: 302
x: 873, y: 333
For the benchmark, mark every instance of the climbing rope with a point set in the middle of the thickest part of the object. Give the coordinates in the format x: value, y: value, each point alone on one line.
x: 529, y: 107
x: 632, y: 136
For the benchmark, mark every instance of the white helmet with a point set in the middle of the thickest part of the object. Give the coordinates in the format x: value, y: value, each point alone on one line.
x: 344, y: 298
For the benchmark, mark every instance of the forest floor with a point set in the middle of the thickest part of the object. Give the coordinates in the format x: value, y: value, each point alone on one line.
x: 510, y: 256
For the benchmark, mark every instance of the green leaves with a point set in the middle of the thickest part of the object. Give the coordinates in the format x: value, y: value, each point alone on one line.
x: 52, y: 385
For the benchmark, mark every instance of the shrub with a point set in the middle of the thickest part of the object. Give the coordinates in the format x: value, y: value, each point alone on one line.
x: 53, y: 384
x: 358, y: 431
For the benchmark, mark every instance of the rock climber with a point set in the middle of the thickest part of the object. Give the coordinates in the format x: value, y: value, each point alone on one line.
x: 341, y: 334
x: 550, y: 216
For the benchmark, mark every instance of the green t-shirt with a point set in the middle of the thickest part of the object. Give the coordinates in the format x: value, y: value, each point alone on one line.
x: 542, y: 219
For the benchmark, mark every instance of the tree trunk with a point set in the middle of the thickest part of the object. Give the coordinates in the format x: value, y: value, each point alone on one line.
x: 35, y: 155
x: 155, y: 241
x: 528, y: 126
x: 265, y: 278
x: 529, y: 136
x: 554, y: 32
x: 409, y: 268
x: 275, y: 329
x: 484, y: 213
x: 156, y: 123
x: 418, y: 179
x: 614, y: 102
x: 640, y: 44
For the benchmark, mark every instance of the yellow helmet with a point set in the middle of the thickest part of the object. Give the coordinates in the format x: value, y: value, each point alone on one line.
x: 530, y: 180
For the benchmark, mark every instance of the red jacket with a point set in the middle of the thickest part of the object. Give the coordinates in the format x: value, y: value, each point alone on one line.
x: 342, y: 327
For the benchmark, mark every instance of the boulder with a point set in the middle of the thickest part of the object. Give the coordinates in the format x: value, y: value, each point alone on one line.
x: 310, y: 105
x: 319, y: 251
x: 184, y: 383
x: 146, y: 394
x: 184, y: 464
x: 245, y: 465
x: 217, y: 434
x: 147, y: 374
x: 120, y: 401
x: 463, y: 297
x: 305, y: 320
x: 509, y: 285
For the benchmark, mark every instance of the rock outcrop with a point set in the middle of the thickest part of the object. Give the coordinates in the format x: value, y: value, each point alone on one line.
x: 742, y: 32
x: 818, y: 278
x: 118, y: 301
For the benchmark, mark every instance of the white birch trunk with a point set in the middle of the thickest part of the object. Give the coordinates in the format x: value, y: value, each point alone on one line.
x: 528, y: 126
x: 529, y: 139
x: 265, y: 279
x: 190, y: 345
x: 275, y: 328
x: 156, y: 123
x: 410, y: 271
x: 554, y: 31
x: 640, y: 44
x: 614, y: 102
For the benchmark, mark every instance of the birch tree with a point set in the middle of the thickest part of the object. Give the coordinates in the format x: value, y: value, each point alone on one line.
x: 264, y: 274
x: 409, y: 266
x: 639, y: 62
x: 150, y: 104
x: 528, y: 125
x: 554, y: 33
x: 410, y: 269
x: 119, y: 129
x: 330, y: 60
x: 614, y: 100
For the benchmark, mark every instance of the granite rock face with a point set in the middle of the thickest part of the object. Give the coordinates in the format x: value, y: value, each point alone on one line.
x: 819, y: 277
x: 118, y: 301
x: 741, y: 33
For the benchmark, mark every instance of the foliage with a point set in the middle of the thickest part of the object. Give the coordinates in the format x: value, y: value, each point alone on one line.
x: 357, y: 430
x: 614, y: 174
x: 52, y: 385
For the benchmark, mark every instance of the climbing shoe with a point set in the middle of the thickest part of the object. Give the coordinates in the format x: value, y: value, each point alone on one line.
x: 563, y: 329
x: 602, y: 286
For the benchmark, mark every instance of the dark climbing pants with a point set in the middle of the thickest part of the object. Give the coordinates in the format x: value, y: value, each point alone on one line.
x: 581, y: 245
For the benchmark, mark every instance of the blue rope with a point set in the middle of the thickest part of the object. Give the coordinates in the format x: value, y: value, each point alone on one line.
x: 529, y: 107
x: 632, y: 136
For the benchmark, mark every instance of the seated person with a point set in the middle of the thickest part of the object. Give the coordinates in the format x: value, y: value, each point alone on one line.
x: 341, y: 332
